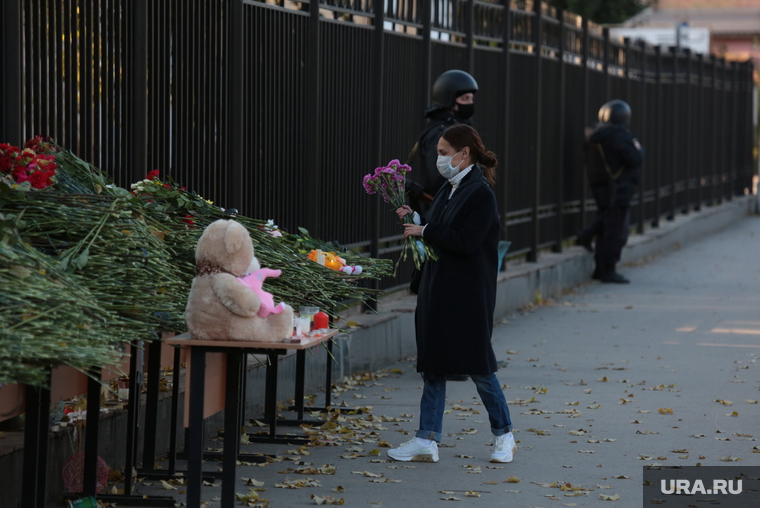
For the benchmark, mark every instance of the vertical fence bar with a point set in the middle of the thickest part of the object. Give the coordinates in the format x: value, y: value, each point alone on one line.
x: 11, y: 82
x: 506, y: 29
x: 715, y: 130
x: 674, y: 133
x: 724, y: 128
x: 734, y: 116
x: 376, y: 130
x: 137, y: 145
x: 606, y: 65
x: 701, y: 122
x: 643, y: 107
x: 660, y: 134
x: 689, y: 148
x: 469, y: 40
x: 560, y: 184
x: 584, y: 63
x: 86, y: 132
x: 749, y: 90
x: 627, y: 69
x: 538, y: 28
x: 60, y: 103
x: 236, y: 139
x: 72, y: 86
x: 313, y: 172
x: 425, y: 13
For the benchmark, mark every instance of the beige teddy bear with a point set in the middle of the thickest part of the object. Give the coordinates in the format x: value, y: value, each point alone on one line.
x: 222, y: 307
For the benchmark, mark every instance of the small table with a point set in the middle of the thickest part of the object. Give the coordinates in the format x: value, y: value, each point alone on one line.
x: 236, y: 353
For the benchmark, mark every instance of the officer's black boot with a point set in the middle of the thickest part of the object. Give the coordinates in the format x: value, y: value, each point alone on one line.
x: 614, y: 277
x: 607, y: 273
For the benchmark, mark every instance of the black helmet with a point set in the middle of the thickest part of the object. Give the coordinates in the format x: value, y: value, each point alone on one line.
x: 615, y: 112
x: 450, y: 85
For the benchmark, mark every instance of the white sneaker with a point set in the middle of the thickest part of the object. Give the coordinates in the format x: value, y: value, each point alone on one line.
x: 415, y: 451
x: 504, y: 448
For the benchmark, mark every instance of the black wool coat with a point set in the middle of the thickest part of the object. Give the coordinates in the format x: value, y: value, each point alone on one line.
x: 457, y: 295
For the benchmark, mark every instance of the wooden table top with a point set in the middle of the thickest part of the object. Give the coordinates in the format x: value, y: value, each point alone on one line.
x: 186, y: 339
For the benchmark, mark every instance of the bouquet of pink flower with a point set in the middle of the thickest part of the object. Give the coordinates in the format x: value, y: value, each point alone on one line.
x: 388, y: 181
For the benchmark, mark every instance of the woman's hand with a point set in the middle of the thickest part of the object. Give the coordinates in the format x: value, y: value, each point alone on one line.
x: 404, y: 210
x: 412, y: 230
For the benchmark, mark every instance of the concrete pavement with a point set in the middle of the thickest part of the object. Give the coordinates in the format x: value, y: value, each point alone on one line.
x: 601, y: 381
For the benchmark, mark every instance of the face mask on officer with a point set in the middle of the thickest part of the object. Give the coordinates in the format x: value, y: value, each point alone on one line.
x: 465, y: 111
x: 445, y: 168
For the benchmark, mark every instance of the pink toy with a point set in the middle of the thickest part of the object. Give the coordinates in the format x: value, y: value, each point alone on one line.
x: 255, y: 281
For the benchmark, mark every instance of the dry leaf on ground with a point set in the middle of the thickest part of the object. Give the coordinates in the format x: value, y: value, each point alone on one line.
x: 329, y: 500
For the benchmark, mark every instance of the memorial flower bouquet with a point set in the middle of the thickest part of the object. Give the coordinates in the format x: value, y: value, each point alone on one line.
x: 388, y: 181
x: 32, y: 167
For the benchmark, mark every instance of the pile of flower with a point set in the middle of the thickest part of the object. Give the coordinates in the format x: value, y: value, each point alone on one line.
x: 179, y: 216
x: 33, y: 167
x: 48, y: 318
x: 94, y: 264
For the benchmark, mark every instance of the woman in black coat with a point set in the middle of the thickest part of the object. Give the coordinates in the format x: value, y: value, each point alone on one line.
x: 457, y: 293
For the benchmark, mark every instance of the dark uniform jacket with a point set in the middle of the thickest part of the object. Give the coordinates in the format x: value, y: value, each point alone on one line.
x: 424, y: 170
x: 615, y: 175
x: 457, y: 295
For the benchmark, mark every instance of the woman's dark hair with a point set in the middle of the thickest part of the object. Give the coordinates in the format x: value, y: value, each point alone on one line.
x: 461, y: 135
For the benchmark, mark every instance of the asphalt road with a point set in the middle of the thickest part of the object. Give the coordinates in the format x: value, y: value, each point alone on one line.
x: 601, y: 381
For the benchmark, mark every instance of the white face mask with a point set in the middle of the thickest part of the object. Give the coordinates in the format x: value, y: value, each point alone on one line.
x: 445, y: 168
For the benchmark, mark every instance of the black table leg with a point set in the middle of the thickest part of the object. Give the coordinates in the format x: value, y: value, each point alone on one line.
x: 34, y: 480
x: 174, y: 410
x: 151, y: 406
x: 300, y: 375
x: 195, y: 441
x: 233, y: 391
x: 328, y: 374
x: 133, y: 412
x: 90, y: 476
x: 270, y: 397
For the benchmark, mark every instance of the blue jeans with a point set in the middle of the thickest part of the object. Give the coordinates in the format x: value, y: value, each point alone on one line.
x: 433, y: 404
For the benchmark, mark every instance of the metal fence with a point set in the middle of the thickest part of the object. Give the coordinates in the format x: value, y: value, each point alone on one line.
x: 279, y: 108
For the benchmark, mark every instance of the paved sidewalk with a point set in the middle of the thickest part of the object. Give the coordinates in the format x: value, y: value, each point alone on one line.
x: 588, y: 377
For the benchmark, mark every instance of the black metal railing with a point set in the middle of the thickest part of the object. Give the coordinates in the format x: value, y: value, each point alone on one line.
x: 279, y: 107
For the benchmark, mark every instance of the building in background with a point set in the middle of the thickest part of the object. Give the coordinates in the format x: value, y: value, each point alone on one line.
x: 696, y: 38
x: 734, y: 26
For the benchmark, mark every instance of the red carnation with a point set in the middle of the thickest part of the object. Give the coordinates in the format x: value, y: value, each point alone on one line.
x: 32, y: 143
x: 20, y: 174
x: 41, y: 179
x: 153, y: 175
x: 8, y: 154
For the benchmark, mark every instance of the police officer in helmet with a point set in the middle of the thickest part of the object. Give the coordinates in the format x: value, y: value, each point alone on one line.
x: 613, y: 158
x: 453, y: 102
